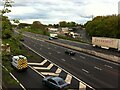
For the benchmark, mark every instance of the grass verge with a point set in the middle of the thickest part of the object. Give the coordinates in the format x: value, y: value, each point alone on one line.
x: 15, y: 48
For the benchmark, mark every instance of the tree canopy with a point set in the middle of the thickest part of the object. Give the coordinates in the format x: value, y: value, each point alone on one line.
x: 67, y: 24
x: 6, y: 25
x: 104, y: 26
x: 6, y: 28
x: 7, y: 3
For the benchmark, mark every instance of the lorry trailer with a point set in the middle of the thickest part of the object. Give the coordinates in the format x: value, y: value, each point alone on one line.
x: 106, y: 43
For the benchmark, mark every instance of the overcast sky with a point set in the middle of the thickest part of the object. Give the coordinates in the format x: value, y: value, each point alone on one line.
x: 53, y: 11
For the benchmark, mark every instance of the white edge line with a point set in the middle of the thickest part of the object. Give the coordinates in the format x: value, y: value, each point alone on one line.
x: 14, y: 78
x: 57, y: 66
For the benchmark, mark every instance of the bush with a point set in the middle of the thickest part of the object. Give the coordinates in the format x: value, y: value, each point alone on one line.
x: 6, y: 34
x: 103, y: 26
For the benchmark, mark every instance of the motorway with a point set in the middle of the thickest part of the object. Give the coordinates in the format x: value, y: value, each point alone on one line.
x: 29, y: 79
x: 94, y: 71
x: 78, y: 44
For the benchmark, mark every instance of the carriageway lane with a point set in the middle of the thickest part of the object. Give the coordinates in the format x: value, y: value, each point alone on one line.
x: 75, y: 71
x: 77, y: 44
x: 29, y: 79
x: 82, y: 55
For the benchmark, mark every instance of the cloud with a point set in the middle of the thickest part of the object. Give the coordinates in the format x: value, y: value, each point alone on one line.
x: 53, y: 11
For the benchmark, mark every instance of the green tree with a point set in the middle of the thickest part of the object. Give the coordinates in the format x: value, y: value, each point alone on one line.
x: 6, y: 25
x: 7, y: 3
x: 103, y: 26
x: 63, y: 24
x: 71, y: 24
x: 6, y: 28
x: 118, y: 34
x: 55, y: 25
x: 22, y: 25
x: 36, y: 25
x: 16, y: 21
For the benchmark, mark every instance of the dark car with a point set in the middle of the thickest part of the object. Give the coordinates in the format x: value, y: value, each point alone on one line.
x: 70, y: 52
x: 50, y: 38
x: 56, y: 83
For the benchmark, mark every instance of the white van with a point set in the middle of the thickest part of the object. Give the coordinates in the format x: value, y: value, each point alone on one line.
x: 19, y: 62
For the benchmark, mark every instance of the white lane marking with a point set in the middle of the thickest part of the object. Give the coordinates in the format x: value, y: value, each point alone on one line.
x: 42, y: 63
x: 58, y: 71
x: 82, y: 86
x: 82, y: 57
x: 85, y: 71
x: 54, y: 64
x: 44, y: 68
x: 50, y: 66
x: 14, y: 78
x: 41, y: 68
x: 50, y: 53
x: 58, y: 52
x: 108, y: 66
x: 17, y: 81
x: 73, y: 58
x: 68, y: 78
x: 50, y: 73
x: 63, y: 60
x: 97, y: 68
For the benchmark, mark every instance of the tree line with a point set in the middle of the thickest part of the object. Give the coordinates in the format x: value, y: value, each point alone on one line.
x: 104, y: 26
x: 65, y: 24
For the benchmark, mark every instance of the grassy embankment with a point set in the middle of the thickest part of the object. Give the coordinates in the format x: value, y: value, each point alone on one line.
x: 8, y: 81
x: 16, y: 49
x: 36, y: 31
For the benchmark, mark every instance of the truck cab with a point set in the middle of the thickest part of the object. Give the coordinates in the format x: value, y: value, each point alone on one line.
x: 19, y: 62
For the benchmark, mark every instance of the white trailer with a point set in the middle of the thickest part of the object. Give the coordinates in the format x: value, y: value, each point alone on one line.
x: 53, y: 35
x: 106, y: 43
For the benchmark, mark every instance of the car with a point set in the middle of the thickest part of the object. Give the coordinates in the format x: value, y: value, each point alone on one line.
x: 50, y: 38
x: 55, y: 82
x: 70, y: 52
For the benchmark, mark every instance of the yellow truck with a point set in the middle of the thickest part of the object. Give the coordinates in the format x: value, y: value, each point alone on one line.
x: 19, y: 62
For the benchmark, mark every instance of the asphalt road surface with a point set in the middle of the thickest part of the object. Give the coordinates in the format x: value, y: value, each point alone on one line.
x: 30, y: 79
x: 94, y: 71
x: 78, y: 44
